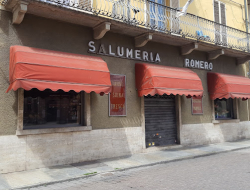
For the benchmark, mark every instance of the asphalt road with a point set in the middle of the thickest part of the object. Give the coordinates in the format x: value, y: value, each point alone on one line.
x: 226, y: 171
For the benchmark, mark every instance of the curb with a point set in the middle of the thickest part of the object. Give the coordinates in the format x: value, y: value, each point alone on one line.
x: 133, y: 167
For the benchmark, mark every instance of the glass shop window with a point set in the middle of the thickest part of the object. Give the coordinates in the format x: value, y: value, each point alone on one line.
x: 223, y: 108
x: 48, y: 109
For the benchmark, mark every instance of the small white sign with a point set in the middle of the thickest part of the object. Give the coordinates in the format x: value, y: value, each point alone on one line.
x: 197, y: 64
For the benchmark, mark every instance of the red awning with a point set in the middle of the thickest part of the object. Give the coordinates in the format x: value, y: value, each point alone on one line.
x: 45, y: 69
x: 157, y: 79
x: 228, y: 86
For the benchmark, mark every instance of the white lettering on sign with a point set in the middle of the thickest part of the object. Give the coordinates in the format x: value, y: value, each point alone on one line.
x: 120, y: 51
x: 92, y: 47
x: 192, y: 63
x: 151, y: 57
x: 124, y: 52
x: 206, y: 65
x: 210, y: 66
x: 187, y: 63
x: 129, y: 53
x: 110, y: 50
x: 102, y: 49
x: 138, y: 54
x: 197, y: 64
x: 145, y: 55
x: 157, y: 58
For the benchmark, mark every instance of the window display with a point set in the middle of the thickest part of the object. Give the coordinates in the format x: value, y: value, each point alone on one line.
x: 48, y: 109
x: 223, y: 108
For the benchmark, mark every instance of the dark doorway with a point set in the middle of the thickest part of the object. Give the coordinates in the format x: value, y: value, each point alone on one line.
x: 160, y: 120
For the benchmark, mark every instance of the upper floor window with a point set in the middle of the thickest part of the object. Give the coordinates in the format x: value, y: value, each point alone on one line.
x: 220, y: 23
x: 162, y: 17
x: 157, y: 14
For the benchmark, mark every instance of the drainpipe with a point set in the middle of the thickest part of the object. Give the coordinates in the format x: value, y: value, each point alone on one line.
x: 246, y: 20
x: 246, y: 16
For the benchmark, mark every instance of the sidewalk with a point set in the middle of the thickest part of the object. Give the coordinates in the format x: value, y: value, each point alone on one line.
x: 151, y: 156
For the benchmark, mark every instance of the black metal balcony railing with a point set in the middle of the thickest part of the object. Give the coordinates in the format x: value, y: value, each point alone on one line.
x: 157, y: 17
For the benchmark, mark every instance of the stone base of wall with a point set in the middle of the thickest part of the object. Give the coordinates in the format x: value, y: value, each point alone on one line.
x: 20, y: 153
x: 209, y: 133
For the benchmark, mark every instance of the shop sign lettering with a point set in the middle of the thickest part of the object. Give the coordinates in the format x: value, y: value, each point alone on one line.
x: 197, y: 64
x: 123, y: 52
x: 117, y: 96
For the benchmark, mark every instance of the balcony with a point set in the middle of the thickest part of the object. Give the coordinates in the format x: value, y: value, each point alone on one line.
x: 137, y: 17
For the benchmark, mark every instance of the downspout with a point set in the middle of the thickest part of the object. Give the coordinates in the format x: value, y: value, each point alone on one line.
x: 246, y: 20
x: 246, y: 16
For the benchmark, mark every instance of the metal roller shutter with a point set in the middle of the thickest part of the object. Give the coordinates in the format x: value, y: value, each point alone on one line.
x: 160, y: 120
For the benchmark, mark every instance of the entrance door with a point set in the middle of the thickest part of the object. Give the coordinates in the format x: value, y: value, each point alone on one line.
x: 160, y: 120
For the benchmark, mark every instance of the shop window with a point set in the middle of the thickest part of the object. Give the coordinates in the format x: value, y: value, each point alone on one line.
x: 48, y: 109
x: 41, y: 112
x: 223, y: 108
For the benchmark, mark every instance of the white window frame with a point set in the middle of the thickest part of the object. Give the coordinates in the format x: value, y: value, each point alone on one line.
x: 219, y: 3
x: 171, y: 16
x: 86, y: 115
x: 235, y: 111
x: 156, y: 20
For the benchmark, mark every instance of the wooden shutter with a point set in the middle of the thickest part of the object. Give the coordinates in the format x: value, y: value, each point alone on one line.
x: 223, y: 13
x: 216, y: 12
x: 223, y: 22
x: 217, y: 20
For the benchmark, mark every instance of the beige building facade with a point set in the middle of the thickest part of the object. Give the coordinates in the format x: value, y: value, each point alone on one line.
x: 100, y: 135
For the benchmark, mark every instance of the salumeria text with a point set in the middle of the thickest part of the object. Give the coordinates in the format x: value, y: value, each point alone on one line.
x: 124, y: 53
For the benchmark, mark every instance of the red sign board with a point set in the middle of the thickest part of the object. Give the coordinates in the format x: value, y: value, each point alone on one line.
x: 197, y: 105
x: 117, y: 97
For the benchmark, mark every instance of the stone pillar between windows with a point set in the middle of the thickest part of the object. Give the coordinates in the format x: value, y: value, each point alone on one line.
x: 213, y: 112
x: 86, y: 109
x: 143, y: 122
x: 235, y: 108
x: 178, y: 117
x: 20, y: 109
